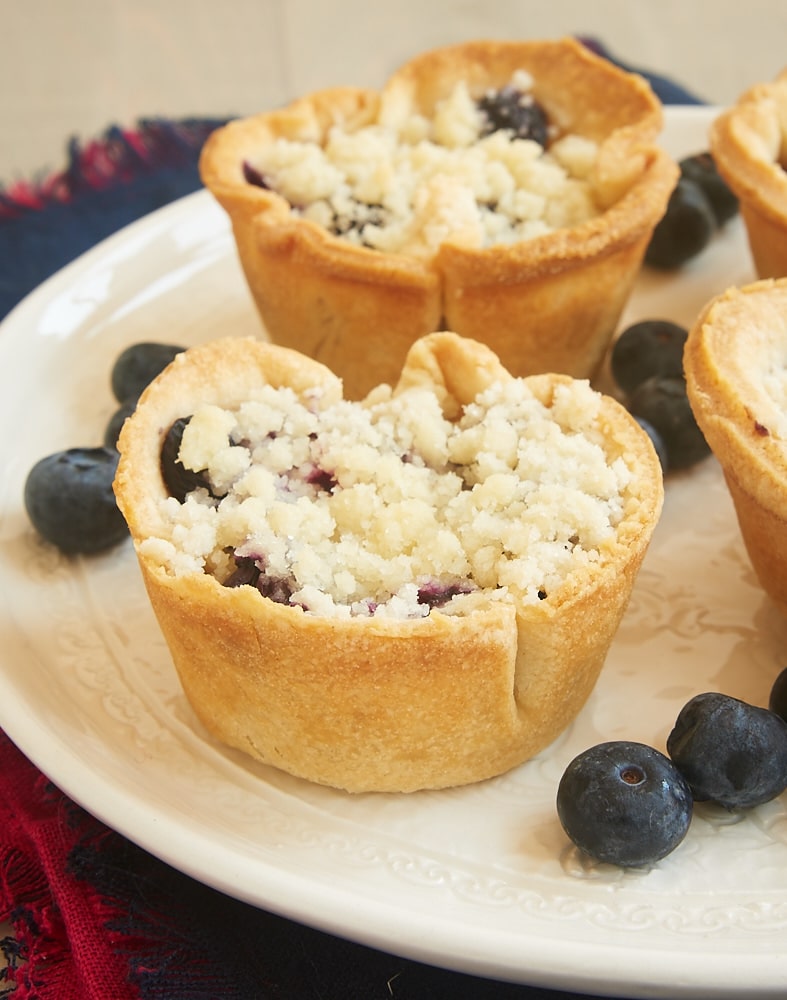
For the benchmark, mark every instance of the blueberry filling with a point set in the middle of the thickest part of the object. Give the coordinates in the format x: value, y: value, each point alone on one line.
x: 342, y: 225
x: 248, y: 573
x: 254, y: 176
x: 321, y: 479
x: 435, y: 594
x: 508, y: 109
x: 179, y: 480
x: 381, y: 510
x: 515, y: 111
x: 365, y: 214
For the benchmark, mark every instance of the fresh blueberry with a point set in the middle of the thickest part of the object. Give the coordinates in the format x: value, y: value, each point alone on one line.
x: 515, y: 111
x: 649, y: 347
x: 730, y: 752
x: 624, y: 803
x: 137, y: 366
x: 69, y: 499
x: 701, y: 169
x: 777, y: 701
x: 684, y: 230
x: 663, y: 403
x: 116, y: 421
x: 179, y: 480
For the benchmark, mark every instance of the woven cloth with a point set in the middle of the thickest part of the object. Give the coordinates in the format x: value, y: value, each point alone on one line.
x: 94, y: 916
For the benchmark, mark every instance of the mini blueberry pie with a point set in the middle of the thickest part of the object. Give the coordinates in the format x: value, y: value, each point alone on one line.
x: 736, y: 376
x: 748, y: 142
x: 417, y: 590
x: 503, y: 190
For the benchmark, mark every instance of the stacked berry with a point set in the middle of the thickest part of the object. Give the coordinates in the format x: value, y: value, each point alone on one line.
x: 698, y: 207
x: 647, y: 365
x: 68, y: 495
x: 628, y: 804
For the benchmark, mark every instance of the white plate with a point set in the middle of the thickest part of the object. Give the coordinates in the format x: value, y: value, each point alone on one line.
x: 478, y: 879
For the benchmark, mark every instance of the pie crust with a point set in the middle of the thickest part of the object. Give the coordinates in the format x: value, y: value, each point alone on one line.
x: 736, y: 376
x: 370, y: 704
x: 550, y: 303
x: 748, y: 141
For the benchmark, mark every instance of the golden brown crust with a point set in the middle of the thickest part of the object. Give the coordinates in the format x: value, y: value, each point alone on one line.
x: 371, y: 704
x: 551, y: 303
x: 748, y: 144
x: 740, y: 336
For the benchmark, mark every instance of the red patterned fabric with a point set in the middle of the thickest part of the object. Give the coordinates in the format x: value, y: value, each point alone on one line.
x: 63, y: 949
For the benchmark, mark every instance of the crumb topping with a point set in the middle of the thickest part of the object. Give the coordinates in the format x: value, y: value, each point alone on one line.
x: 406, y: 184
x: 386, y: 508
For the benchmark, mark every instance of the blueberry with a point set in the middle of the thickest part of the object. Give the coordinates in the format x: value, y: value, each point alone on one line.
x: 730, y: 752
x: 777, y: 701
x: 179, y: 480
x: 248, y: 572
x: 116, y: 421
x: 684, y: 230
x: 663, y: 403
x: 649, y: 347
x: 69, y: 499
x: 363, y: 215
x: 322, y: 479
x: 516, y: 111
x: 137, y: 366
x: 435, y: 594
x: 701, y: 168
x: 254, y: 176
x: 624, y: 803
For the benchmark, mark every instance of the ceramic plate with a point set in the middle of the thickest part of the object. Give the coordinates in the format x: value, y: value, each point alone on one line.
x: 478, y: 879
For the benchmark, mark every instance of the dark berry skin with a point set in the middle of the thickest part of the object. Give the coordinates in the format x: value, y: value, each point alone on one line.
x: 663, y: 403
x: 137, y: 366
x: 624, y: 803
x: 701, y: 169
x: 253, y: 176
x: 247, y: 572
x: 179, y: 480
x: 685, y: 229
x: 116, y: 421
x: 69, y: 499
x: 508, y: 108
x: 436, y: 594
x: 777, y: 701
x: 657, y: 441
x: 649, y: 347
x: 730, y: 752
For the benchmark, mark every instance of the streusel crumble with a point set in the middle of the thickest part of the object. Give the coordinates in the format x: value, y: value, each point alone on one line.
x: 407, y: 183
x: 386, y: 507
